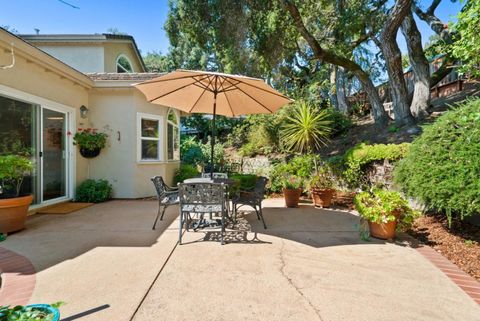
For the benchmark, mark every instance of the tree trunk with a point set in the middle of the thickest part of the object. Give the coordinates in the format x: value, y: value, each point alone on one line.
x: 332, y: 92
x: 393, y: 59
x: 340, y: 80
x: 379, y: 114
x: 420, y: 66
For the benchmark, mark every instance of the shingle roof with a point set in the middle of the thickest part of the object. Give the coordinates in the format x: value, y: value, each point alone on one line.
x: 140, y: 76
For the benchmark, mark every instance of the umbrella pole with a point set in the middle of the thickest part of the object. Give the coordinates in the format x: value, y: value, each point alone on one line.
x: 213, y: 132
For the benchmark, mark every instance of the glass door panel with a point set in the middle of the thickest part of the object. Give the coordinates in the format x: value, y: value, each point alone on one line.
x: 54, y: 174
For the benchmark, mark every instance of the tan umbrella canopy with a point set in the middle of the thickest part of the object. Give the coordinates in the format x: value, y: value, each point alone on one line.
x: 213, y: 93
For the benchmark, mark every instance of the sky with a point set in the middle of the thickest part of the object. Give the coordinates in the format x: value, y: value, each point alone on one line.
x: 143, y: 19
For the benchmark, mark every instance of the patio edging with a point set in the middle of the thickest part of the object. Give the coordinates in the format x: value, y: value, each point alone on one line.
x: 18, y: 278
x: 464, y: 281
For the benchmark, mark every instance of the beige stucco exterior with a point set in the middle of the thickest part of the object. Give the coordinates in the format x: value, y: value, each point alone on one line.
x: 39, y: 78
x: 114, y: 110
x: 114, y: 49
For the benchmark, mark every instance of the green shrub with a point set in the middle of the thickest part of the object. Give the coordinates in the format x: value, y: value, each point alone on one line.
x: 94, y: 191
x: 185, y: 171
x: 13, y: 169
x: 442, y: 168
x: 246, y: 182
x: 191, y: 151
x: 300, y: 166
x: 357, y: 159
x: 340, y: 122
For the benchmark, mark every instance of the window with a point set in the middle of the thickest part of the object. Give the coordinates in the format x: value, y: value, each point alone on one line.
x: 123, y: 64
x: 149, y: 132
x: 173, y: 134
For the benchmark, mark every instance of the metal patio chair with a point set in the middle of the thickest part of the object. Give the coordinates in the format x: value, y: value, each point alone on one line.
x: 166, y: 195
x: 201, y: 199
x: 252, y: 198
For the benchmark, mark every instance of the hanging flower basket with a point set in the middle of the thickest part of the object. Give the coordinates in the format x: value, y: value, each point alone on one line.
x: 90, y: 142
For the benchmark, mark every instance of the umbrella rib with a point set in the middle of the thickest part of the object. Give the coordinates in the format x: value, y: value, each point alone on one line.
x: 204, y: 90
x: 177, y: 89
x: 161, y: 80
x: 253, y: 99
x: 265, y: 90
x: 229, y: 105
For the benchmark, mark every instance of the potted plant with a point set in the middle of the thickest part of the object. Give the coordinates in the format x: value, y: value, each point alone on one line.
x: 13, y: 206
x: 385, y: 211
x: 292, y: 189
x: 34, y: 312
x: 322, y: 188
x: 90, y: 141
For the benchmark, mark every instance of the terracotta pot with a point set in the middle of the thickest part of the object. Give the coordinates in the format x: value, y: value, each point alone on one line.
x: 384, y: 231
x: 322, y: 197
x: 344, y: 199
x: 13, y: 213
x: 292, y: 196
x: 90, y: 153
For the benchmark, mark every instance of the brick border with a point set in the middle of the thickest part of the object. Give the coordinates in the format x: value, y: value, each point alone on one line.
x: 468, y: 284
x: 18, y: 278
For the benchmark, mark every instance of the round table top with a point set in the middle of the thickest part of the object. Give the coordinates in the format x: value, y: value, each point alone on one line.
x: 226, y: 181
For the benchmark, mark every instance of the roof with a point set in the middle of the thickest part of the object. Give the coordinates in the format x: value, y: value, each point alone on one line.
x: 141, y: 76
x: 86, y: 38
x: 41, y: 57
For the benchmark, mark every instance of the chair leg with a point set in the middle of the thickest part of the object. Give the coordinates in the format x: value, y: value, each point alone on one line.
x: 163, y: 212
x: 223, y: 228
x: 261, y: 215
x: 158, y: 215
x: 180, y: 229
x: 256, y: 211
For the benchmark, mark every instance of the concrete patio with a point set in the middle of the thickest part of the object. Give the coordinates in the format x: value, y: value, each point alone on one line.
x: 106, y: 263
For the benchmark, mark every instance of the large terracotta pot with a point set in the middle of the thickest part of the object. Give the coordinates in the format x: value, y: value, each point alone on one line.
x: 13, y: 213
x: 322, y: 197
x: 292, y: 196
x: 384, y: 231
x: 344, y: 199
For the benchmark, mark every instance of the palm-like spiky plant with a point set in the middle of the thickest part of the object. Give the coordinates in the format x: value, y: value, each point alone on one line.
x: 306, y: 128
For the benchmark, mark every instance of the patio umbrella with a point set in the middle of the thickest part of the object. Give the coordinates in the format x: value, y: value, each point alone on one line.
x: 213, y: 93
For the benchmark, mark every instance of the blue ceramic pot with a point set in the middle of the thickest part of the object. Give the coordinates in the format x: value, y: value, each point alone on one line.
x: 47, y: 308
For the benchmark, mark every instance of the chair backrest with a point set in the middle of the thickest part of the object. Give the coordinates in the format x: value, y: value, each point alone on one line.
x: 159, y: 184
x: 261, y: 185
x: 202, y: 193
x: 215, y: 175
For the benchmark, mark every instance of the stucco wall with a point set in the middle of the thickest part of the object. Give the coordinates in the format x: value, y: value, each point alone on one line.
x: 39, y: 86
x: 114, y: 49
x: 115, y: 112
x: 85, y: 58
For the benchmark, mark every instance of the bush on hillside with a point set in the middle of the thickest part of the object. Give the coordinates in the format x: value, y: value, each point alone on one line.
x: 442, y: 168
x: 358, y: 158
x: 340, y: 122
x: 94, y: 191
x: 191, y: 151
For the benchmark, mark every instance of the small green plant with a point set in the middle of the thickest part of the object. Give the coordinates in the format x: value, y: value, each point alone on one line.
x: 301, y: 166
x: 27, y: 313
x: 340, y: 123
x: 383, y: 206
x: 393, y: 129
x: 90, y: 139
x: 470, y: 242
x: 94, y: 191
x: 185, y: 171
x: 292, y: 182
x: 13, y: 169
x: 322, y: 179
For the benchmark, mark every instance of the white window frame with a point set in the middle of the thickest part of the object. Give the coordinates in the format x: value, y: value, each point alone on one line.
x: 160, y: 155
x: 174, y: 111
x: 118, y: 65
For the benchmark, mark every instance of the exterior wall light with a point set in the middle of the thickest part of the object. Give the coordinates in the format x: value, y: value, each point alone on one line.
x: 83, y: 111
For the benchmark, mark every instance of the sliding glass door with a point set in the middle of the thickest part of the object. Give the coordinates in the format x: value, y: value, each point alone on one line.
x: 39, y: 133
x: 53, y: 154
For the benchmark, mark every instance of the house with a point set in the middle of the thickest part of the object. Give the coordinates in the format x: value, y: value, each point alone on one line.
x: 53, y: 85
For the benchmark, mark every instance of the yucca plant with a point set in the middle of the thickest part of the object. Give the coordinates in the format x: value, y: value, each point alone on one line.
x: 306, y: 128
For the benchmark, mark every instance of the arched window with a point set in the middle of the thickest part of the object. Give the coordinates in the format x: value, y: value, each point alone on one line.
x: 173, y: 135
x: 123, y: 64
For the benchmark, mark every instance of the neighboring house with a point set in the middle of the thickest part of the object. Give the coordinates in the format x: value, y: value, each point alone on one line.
x: 55, y: 84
